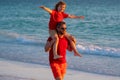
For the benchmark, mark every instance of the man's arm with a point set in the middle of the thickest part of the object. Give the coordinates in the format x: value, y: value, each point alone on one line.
x: 69, y: 48
x: 48, y: 45
x: 46, y: 9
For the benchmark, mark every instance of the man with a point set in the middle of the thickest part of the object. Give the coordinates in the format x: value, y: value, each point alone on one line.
x: 59, y: 65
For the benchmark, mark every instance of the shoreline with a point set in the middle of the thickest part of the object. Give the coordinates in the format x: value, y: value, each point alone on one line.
x: 13, y: 70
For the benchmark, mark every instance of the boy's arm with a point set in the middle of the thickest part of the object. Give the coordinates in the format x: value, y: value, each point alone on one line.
x: 74, y: 16
x: 46, y: 9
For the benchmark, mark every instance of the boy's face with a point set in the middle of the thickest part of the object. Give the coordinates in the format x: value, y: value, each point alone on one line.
x: 61, y: 8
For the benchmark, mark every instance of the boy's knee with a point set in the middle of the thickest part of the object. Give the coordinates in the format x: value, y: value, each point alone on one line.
x: 56, y: 39
x: 72, y: 38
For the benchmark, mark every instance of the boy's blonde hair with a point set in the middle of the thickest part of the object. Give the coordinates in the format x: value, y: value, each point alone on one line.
x: 59, y: 3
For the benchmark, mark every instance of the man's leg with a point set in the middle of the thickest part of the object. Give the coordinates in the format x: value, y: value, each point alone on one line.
x: 58, y: 70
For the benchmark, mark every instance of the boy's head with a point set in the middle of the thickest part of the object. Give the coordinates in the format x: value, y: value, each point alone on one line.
x: 60, y: 6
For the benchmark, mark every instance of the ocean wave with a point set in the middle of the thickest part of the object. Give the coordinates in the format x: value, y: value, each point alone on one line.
x: 13, y: 37
x: 96, y: 50
x: 36, y: 41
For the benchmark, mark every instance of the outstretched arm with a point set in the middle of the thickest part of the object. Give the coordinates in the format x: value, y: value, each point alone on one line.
x: 74, y: 16
x: 46, y: 9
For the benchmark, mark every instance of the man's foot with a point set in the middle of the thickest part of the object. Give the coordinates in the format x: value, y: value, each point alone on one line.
x: 57, y: 56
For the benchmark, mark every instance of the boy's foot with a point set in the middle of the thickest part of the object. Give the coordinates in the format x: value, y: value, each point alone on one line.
x: 77, y: 54
x: 57, y: 56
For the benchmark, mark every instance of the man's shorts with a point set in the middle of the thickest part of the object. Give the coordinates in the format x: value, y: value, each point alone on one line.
x: 59, y: 70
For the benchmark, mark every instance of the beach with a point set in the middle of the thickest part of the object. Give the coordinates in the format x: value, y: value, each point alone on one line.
x: 24, y: 32
x: 13, y: 70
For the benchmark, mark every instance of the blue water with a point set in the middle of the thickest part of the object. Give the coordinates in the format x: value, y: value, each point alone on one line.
x: 24, y: 31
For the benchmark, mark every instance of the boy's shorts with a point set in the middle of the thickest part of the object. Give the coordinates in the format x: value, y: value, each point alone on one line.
x: 58, y: 69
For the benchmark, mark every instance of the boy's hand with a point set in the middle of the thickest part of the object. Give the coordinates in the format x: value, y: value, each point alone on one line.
x: 82, y: 17
x: 41, y: 6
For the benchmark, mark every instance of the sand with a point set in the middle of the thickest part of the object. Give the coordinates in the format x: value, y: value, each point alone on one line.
x: 13, y: 70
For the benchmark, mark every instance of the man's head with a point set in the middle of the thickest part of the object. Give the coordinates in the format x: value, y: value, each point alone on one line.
x: 61, y: 28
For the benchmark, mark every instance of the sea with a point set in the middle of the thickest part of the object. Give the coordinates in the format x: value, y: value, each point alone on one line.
x: 24, y: 31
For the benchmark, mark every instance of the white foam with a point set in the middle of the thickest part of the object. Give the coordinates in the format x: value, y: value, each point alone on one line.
x: 96, y: 50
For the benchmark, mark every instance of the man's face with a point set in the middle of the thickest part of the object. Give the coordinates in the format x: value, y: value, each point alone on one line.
x: 62, y: 29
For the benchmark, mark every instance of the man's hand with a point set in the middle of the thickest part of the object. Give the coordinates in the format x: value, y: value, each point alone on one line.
x: 48, y: 45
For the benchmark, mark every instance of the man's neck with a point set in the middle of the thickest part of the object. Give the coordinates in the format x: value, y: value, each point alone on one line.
x: 61, y: 36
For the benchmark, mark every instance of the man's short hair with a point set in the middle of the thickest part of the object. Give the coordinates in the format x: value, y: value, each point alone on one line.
x: 60, y: 24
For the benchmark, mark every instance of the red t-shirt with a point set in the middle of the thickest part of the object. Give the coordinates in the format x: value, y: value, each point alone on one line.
x: 56, y: 17
x: 62, y: 47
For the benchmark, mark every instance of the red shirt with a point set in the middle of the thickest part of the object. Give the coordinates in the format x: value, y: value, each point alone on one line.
x: 62, y: 47
x: 56, y: 17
